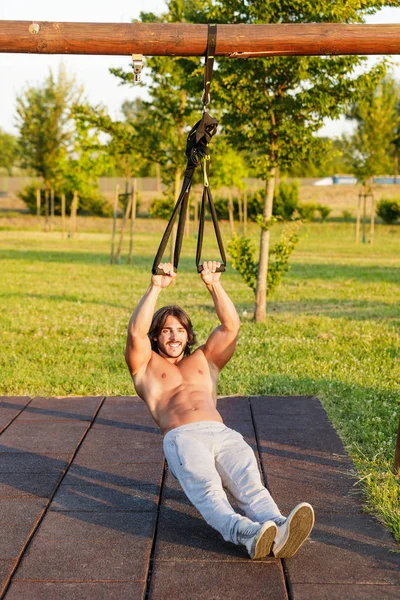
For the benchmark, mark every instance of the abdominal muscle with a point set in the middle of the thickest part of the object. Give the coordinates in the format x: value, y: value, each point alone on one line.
x: 184, y: 408
x: 179, y: 394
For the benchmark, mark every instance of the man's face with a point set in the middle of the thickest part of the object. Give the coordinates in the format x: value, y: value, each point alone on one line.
x: 172, y: 339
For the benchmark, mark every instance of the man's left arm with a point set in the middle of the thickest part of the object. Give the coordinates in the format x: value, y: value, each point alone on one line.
x: 221, y: 344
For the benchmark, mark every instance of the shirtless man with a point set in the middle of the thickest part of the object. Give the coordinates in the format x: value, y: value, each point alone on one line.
x: 205, y: 456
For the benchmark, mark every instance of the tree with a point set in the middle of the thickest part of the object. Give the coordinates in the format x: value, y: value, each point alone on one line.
x: 369, y: 148
x: 122, y: 149
x: 274, y: 106
x: 170, y: 113
x: 8, y: 151
x: 228, y: 168
x: 45, y: 124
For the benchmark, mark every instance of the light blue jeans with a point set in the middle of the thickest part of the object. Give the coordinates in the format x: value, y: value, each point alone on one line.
x: 206, y: 457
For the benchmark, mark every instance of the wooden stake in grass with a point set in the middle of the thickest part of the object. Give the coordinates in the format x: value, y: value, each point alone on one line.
x: 123, y: 226
x: 364, y: 221
x: 51, y: 209
x: 115, y: 208
x: 74, y: 209
x: 38, y: 207
x: 358, y: 216
x: 133, y: 218
x: 372, y: 228
x: 46, y: 210
x: 63, y: 215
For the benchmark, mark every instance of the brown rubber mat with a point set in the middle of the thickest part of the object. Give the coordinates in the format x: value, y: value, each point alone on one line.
x: 88, y: 510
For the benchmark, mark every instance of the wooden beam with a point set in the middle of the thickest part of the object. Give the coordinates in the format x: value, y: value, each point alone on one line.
x: 183, y: 39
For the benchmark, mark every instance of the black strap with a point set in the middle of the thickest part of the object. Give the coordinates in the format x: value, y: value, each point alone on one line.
x: 209, y: 63
x: 196, y: 153
x: 207, y: 195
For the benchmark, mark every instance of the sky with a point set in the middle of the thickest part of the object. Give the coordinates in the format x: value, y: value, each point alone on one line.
x: 19, y: 71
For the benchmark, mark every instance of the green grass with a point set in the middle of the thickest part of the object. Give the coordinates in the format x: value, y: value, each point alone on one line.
x: 333, y: 328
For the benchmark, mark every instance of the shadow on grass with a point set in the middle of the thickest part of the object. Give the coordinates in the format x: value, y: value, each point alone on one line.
x: 349, y: 273
x: 140, y: 261
x: 64, y: 298
x: 334, y: 308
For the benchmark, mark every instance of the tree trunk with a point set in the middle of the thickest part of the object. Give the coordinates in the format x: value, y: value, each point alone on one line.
x: 260, y: 309
x: 396, y: 165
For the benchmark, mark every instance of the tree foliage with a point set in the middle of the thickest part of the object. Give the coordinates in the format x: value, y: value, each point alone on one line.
x: 8, y: 151
x: 368, y: 151
x: 272, y: 107
x: 242, y: 251
x: 45, y: 124
x: 388, y: 209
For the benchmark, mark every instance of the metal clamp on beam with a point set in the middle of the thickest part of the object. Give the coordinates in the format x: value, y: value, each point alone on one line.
x: 137, y: 65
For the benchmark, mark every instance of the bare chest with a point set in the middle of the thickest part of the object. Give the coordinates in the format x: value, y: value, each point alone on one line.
x: 164, y: 378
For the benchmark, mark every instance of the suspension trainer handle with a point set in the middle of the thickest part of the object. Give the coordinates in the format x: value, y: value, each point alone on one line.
x: 158, y: 271
x: 220, y: 269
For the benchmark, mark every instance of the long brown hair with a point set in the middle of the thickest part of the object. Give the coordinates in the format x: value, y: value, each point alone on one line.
x: 158, y: 323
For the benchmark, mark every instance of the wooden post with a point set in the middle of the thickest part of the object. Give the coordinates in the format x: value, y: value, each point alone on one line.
x: 123, y: 226
x: 372, y: 229
x: 190, y: 39
x: 51, y: 209
x: 74, y: 209
x: 115, y: 208
x: 245, y: 214
x: 133, y: 218
x: 358, y: 216
x: 63, y: 215
x: 38, y: 207
x: 46, y: 210
x: 396, y: 464
x: 364, y: 221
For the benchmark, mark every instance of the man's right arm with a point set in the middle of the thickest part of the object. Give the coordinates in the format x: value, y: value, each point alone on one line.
x: 138, y: 346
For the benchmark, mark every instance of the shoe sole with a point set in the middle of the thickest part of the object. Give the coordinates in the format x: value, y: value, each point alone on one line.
x: 299, y: 528
x: 264, y: 542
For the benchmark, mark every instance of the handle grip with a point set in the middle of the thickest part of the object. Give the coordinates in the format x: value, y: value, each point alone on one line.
x: 158, y: 271
x: 220, y: 269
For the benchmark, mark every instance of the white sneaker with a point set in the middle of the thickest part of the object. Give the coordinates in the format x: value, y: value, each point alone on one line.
x: 258, y: 539
x: 294, y: 531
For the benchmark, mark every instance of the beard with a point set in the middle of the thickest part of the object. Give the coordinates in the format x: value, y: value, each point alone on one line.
x: 164, y: 350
